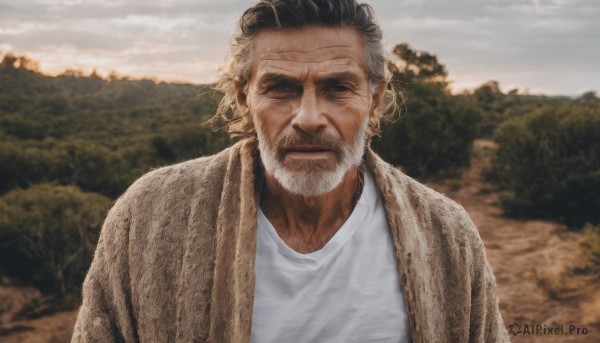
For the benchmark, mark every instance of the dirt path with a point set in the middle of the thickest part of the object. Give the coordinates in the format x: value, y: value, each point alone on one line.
x: 535, y: 262
x: 56, y: 328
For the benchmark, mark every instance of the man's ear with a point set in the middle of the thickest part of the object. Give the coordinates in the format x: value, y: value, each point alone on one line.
x: 374, y: 120
x: 240, y: 98
x: 378, y: 96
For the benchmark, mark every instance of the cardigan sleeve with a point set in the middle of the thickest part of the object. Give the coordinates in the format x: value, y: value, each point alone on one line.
x: 486, y: 324
x: 105, y: 314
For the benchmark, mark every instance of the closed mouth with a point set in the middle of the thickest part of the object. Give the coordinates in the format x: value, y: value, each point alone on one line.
x: 307, y: 148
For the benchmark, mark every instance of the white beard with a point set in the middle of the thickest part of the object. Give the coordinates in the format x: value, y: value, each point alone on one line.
x: 313, y: 182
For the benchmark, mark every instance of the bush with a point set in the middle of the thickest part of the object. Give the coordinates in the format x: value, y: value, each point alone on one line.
x: 21, y: 165
x: 187, y: 141
x: 48, y: 234
x: 92, y: 167
x: 23, y: 128
x: 549, y: 162
x: 435, y: 137
x: 87, y: 165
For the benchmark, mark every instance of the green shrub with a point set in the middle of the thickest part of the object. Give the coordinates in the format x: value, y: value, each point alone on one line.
x: 435, y: 136
x: 48, y: 234
x: 90, y: 166
x: 21, y: 165
x: 549, y: 162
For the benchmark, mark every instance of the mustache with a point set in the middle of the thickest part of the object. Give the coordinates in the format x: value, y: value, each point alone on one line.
x: 336, y: 145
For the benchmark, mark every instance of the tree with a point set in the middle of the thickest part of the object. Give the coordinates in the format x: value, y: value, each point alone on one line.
x: 51, y: 230
x: 490, y: 100
x: 434, y: 139
x: 589, y: 98
x: 418, y: 65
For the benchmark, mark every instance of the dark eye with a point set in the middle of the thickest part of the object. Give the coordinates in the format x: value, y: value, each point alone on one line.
x: 280, y: 88
x: 338, y: 88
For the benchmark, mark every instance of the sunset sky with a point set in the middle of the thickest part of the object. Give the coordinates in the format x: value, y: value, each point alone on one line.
x: 545, y: 46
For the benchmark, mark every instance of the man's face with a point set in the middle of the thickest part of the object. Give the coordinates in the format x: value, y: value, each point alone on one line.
x: 309, y: 99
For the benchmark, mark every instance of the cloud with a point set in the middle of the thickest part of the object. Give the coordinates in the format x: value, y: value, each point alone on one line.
x: 540, y: 44
x: 159, y: 38
x: 518, y: 42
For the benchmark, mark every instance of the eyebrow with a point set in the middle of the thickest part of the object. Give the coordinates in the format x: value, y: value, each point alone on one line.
x: 329, y: 78
x: 274, y: 78
x: 337, y: 77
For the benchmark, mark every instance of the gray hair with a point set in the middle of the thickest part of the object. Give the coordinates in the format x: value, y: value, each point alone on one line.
x: 287, y: 14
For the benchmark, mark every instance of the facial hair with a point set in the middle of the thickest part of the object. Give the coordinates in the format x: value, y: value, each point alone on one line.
x: 309, y: 178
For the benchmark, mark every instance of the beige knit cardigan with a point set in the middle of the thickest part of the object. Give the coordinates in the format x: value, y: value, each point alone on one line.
x: 175, y: 258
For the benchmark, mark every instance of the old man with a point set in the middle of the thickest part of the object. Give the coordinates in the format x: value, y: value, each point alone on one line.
x: 299, y: 232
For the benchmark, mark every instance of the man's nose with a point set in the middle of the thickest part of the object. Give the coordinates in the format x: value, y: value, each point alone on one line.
x: 309, y: 116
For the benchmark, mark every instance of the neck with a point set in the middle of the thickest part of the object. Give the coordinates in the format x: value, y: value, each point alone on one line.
x: 307, y: 223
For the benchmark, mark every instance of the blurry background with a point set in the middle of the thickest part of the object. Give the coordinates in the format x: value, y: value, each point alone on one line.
x: 501, y: 114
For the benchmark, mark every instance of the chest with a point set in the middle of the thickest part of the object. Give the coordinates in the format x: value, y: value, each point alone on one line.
x: 348, y: 291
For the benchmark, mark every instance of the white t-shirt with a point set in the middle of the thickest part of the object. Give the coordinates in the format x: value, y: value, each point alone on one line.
x: 348, y: 291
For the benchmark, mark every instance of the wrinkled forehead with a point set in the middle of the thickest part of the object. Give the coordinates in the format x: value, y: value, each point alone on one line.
x: 310, y: 49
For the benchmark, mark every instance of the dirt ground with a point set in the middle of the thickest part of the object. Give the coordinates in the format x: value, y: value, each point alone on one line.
x: 538, y: 268
x: 56, y: 328
x: 536, y: 263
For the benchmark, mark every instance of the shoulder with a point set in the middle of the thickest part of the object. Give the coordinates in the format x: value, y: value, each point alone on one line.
x: 438, y: 216
x: 174, y: 188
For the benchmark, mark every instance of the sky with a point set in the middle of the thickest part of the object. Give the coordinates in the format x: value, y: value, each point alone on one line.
x: 538, y: 46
